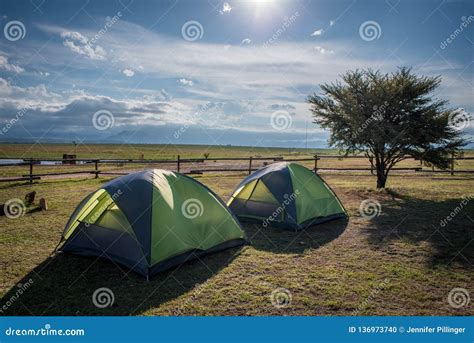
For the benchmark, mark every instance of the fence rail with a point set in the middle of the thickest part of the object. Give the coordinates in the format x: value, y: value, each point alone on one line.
x: 178, y: 162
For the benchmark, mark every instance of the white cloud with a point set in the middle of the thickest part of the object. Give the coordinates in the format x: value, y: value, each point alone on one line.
x: 161, y: 95
x: 246, y: 41
x: 78, y: 43
x: 277, y: 74
x: 186, y: 82
x: 128, y: 72
x: 322, y: 50
x: 5, y: 65
x: 317, y: 32
x: 332, y: 22
x: 76, y: 108
x: 226, y: 8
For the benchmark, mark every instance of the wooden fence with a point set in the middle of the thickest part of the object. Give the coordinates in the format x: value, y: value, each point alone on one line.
x: 179, y: 162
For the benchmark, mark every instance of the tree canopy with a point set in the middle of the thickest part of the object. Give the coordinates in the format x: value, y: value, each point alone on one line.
x: 389, y: 117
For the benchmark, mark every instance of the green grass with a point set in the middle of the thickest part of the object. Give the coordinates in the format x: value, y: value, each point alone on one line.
x: 399, y: 263
x: 149, y: 151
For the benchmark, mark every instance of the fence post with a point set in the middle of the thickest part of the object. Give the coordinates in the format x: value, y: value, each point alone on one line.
x: 452, y: 163
x: 31, y: 171
x: 250, y: 165
x: 315, y: 163
x: 371, y: 160
x: 96, y: 169
x: 178, y: 163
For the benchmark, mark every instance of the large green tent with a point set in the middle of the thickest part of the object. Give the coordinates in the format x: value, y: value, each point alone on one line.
x: 285, y: 195
x: 150, y: 221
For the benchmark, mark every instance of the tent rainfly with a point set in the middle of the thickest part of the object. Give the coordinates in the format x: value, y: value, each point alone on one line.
x: 151, y: 221
x: 285, y: 195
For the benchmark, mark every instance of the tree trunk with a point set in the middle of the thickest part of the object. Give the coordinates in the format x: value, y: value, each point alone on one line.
x: 381, y: 180
x: 381, y: 176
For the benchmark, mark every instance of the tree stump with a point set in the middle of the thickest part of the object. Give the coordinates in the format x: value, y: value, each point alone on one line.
x: 43, y: 204
x: 30, y: 198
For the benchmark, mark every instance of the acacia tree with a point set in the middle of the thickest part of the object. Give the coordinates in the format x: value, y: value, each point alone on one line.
x: 389, y: 117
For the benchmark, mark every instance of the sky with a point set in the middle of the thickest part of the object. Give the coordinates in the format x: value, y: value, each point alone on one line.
x: 212, y: 72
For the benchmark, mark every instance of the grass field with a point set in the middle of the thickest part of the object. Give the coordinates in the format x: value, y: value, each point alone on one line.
x: 170, y: 152
x: 402, y: 262
x: 149, y: 151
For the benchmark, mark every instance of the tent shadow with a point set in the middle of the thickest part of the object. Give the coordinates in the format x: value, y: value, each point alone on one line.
x: 283, y: 241
x: 64, y: 285
x: 414, y: 220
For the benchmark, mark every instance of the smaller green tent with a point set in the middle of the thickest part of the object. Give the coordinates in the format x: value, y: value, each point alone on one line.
x: 151, y: 221
x: 285, y: 195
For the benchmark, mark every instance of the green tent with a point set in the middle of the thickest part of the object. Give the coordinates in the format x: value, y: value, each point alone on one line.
x: 151, y: 221
x: 285, y: 195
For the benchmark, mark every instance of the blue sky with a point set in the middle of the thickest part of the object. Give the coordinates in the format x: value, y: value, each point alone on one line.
x: 211, y: 72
